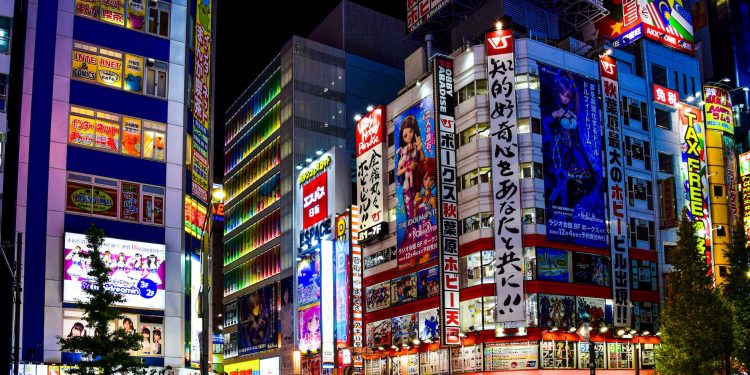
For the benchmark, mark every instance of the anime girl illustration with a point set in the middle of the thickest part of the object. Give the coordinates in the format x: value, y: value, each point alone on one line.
x: 310, y: 328
x: 152, y: 266
x: 410, y: 152
x: 424, y: 199
x: 572, y: 172
x: 76, y: 269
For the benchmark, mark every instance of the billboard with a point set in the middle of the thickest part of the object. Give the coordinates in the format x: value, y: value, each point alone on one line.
x: 260, y: 330
x: 591, y: 269
x: 447, y: 204
x: 505, y: 176
x: 744, y: 168
x: 369, y: 133
x: 308, y: 280
x: 327, y: 313
x: 404, y: 289
x: 511, y: 356
x: 572, y: 154
x: 552, y: 265
x: 315, y: 200
x: 308, y: 329
x: 694, y: 174
x: 730, y: 163
x: 718, y: 108
x: 137, y: 271
x: 615, y: 188
x: 557, y: 311
x: 342, y: 274
x: 378, y: 296
x: 196, y: 321
x: 668, y: 22
x: 429, y: 325
x: 405, y: 329
x: 379, y: 333
x: 201, y: 103
x: 357, y: 301
x: 416, y: 171
x: 663, y: 95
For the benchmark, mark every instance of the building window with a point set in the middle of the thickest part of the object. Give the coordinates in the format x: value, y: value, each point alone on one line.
x: 643, y: 275
x: 481, y: 175
x: 380, y: 257
x: 684, y: 84
x: 478, y: 314
x: 115, y: 133
x: 663, y: 119
x: 158, y: 18
x: 533, y: 215
x: 557, y: 354
x: 3, y: 92
x: 5, y: 26
x: 390, y: 139
x: 692, y: 86
x: 532, y: 170
x: 666, y: 162
x: 668, y: 253
x: 478, y: 268
x: 481, y: 85
x: 634, y: 110
x: 718, y: 191
x: 114, y: 199
x: 529, y: 125
x: 676, y: 81
x: 156, y: 78
x: 465, y: 93
x: 476, y: 221
x: 640, y: 193
x: 527, y: 81
x: 480, y: 130
x: 659, y: 75
x: 642, y: 233
x: 638, y: 150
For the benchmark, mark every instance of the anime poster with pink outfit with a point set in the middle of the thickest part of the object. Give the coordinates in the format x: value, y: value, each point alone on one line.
x: 308, y: 329
x: 137, y: 270
x: 416, y: 173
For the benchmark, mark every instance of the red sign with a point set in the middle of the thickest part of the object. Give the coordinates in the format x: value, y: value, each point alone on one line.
x: 315, y: 200
x: 666, y: 96
x: 608, y: 67
x: 369, y: 131
x: 499, y: 42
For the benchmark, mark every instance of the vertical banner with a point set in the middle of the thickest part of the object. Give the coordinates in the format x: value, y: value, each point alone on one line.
x: 744, y: 168
x: 615, y: 190
x: 573, y: 158
x: 416, y: 175
x: 505, y: 177
x: 343, y: 267
x: 730, y: 163
x: 357, y: 305
x: 718, y: 108
x: 370, y: 187
x: 201, y: 110
x: 447, y: 204
x: 695, y: 176
x: 327, y: 316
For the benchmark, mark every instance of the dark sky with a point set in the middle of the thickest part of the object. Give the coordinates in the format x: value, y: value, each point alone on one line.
x: 244, y: 45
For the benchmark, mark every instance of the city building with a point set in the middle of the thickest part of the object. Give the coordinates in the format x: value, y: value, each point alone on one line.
x: 115, y: 127
x: 297, y: 112
x: 560, y: 166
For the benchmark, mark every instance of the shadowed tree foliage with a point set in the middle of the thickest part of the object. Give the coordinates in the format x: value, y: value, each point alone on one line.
x: 737, y: 292
x: 105, y: 352
x: 696, y: 323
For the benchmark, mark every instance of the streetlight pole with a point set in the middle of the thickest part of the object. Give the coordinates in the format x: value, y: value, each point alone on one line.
x: 16, y: 276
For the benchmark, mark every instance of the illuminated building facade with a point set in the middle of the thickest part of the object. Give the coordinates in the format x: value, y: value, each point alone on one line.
x: 116, y: 98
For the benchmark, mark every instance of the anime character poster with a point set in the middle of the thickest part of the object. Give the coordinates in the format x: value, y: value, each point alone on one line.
x: 595, y: 308
x: 552, y: 265
x: 404, y: 329
x: 137, y: 270
x: 287, y: 309
x: 416, y: 196
x: 379, y: 333
x: 378, y: 296
x: 308, y: 328
x: 308, y: 280
x: 429, y: 325
x: 556, y: 311
x: 427, y: 283
x: 404, y: 289
x: 261, y: 332
x: 572, y: 149
x: 591, y: 269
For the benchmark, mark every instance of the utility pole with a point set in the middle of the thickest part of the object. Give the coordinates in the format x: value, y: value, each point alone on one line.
x: 15, y: 273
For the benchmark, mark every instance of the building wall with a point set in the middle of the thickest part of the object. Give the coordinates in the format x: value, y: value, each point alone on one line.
x: 47, y: 158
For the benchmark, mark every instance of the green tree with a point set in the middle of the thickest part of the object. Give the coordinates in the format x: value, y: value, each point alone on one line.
x: 737, y: 292
x: 105, y: 352
x: 696, y: 323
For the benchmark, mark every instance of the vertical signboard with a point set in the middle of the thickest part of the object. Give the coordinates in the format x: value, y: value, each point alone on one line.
x: 201, y: 101
x: 369, y: 136
x: 745, y: 190
x: 416, y: 174
x: 615, y: 190
x: 447, y: 204
x: 505, y: 178
x: 327, y: 316
x: 730, y: 164
x: 342, y: 280
x: 718, y: 108
x: 694, y: 175
x: 357, y: 305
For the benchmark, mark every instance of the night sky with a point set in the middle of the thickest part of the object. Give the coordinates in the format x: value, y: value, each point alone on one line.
x: 241, y: 32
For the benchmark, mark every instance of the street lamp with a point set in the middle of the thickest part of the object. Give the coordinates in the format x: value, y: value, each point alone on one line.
x: 585, y: 332
x: 217, y: 196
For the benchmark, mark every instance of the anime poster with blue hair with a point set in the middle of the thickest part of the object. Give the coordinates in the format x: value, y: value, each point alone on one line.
x: 416, y: 177
x: 573, y: 159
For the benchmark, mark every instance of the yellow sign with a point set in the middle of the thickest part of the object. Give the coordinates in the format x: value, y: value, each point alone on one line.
x: 133, y: 73
x: 81, y: 131
x: 131, y: 136
x: 87, y: 8
x: 137, y: 14
x: 84, y: 66
x: 110, y: 72
x: 113, y: 11
x: 313, y: 171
